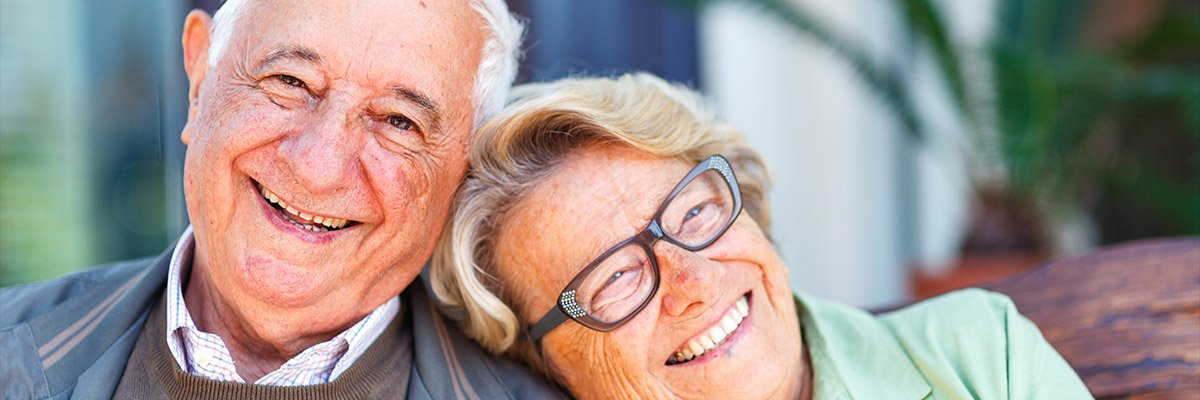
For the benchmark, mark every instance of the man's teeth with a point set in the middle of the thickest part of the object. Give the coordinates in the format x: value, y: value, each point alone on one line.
x: 302, y: 217
x: 715, y: 335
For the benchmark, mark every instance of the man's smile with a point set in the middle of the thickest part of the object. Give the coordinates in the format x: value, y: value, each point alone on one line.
x: 303, y: 219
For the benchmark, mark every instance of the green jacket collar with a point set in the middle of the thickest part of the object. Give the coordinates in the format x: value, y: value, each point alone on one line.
x: 855, y: 356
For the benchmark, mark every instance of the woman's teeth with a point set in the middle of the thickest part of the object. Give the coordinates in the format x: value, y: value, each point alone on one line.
x: 302, y: 219
x: 714, y: 335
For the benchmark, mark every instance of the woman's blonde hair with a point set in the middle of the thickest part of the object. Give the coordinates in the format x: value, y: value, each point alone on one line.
x: 521, y: 146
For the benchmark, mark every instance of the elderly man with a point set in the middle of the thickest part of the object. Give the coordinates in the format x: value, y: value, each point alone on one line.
x: 325, y: 142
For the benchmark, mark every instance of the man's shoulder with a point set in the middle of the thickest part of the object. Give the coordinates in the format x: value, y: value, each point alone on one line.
x: 447, y: 362
x: 22, y: 303
x: 73, y: 334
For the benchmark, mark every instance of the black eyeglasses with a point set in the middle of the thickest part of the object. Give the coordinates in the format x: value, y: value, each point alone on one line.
x: 618, y: 284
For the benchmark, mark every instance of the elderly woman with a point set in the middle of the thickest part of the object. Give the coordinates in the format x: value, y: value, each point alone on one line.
x: 613, y: 236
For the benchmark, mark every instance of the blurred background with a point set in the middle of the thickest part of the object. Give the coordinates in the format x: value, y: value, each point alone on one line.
x: 917, y: 145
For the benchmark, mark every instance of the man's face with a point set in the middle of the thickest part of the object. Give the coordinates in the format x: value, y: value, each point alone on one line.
x: 356, y: 116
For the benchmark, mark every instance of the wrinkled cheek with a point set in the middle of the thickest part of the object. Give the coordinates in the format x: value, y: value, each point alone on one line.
x: 614, y: 371
x: 778, y: 277
x: 779, y: 289
x: 747, y: 243
x: 198, y: 177
x: 421, y: 186
x: 441, y: 175
x: 208, y: 177
x: 775, y: 277
x: 391, y: 175
x: 418, y: 178
x: 631, y: 387
x: 581, y: 360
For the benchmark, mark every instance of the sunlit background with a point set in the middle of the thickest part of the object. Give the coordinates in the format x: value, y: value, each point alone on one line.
x: 917, y: 145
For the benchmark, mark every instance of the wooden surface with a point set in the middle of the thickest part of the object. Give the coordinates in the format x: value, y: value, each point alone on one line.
x: 1127, y: 318
x: 973, y: 270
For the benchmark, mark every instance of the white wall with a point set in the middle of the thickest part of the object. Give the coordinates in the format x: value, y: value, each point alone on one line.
x: 832, y: 147
x: 856, y: 202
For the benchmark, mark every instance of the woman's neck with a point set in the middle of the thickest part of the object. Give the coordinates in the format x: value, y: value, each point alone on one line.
x: 805, y: 391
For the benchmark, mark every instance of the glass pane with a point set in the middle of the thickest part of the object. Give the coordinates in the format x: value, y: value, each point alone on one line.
x: 618, y: 285
x: 700, y: 210
x: 92, y: 100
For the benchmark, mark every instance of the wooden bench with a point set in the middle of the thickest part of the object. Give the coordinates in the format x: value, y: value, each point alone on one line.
x: 1127, y: 318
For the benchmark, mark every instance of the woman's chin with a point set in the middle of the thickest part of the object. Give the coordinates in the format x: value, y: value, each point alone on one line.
x: 747, y: 364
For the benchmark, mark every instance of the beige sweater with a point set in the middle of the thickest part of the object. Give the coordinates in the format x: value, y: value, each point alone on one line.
x: 152, y: 373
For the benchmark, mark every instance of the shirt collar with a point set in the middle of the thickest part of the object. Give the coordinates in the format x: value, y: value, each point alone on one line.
x: 854, y: 356
x: 204, y: 354
x: 178, y: 316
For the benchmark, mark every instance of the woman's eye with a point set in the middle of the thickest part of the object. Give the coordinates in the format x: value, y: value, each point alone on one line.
x: 699, y: 219
x: 619, y: 285
x: 401, y: 122
x: 692, y: 213
x: 291, y: 81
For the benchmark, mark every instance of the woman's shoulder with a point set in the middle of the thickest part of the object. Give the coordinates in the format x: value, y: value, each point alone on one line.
x: 974, y: 314
x: 969, y: 343
x: 965, y: 327
x: 968, y: 311
x: 980, y: 338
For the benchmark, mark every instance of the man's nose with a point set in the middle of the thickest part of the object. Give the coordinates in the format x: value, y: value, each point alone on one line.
x: 690, y: 281
x: 323, y: 153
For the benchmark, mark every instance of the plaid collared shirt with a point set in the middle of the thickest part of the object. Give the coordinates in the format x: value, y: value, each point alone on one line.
x: 204, y: 354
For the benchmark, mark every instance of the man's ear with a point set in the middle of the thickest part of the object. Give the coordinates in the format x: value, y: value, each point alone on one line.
x: 197, y: 36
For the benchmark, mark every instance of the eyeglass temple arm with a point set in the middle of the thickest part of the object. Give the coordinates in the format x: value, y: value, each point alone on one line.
x: 551, y: 320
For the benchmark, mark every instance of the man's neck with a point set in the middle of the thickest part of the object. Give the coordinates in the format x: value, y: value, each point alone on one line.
x: 258, y: 347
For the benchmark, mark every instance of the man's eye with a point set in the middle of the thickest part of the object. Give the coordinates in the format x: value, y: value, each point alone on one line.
x: 401, y: 122
x: 291, y: 80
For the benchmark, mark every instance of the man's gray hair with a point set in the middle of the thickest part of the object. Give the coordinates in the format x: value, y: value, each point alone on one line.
x: 497, y: 68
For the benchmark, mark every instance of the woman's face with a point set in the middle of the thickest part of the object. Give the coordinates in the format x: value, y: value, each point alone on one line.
x: 602, y: 195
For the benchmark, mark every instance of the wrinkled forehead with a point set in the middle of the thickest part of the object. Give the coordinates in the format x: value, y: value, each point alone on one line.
x: 618, y: 185
x: 595, y: 198
x: 433, y: 44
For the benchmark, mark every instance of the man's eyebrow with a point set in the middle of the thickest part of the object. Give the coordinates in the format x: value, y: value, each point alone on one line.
x: 431, y: 107
x: 417, y: 97
x: 291, y: 52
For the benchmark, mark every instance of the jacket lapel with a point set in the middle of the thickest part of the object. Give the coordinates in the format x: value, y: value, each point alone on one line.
x: 87, y: 340
x: 446, y: 366
x: 451, y: 366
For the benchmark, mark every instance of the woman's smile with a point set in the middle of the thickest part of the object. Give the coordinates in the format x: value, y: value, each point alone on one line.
x: 718, y: 337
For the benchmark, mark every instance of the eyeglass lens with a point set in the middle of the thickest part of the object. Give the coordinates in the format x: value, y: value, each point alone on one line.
x: 623, y: 279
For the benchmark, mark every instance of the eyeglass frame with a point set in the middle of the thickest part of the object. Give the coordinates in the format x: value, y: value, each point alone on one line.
x: 567, y: 308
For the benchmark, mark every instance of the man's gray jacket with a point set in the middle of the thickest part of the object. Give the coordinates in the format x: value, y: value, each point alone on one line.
x: 70, y: 338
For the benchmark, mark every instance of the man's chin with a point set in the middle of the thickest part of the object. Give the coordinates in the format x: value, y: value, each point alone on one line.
x: 286, y: 285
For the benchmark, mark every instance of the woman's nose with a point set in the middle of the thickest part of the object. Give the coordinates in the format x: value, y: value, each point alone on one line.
x: 690, y: 281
